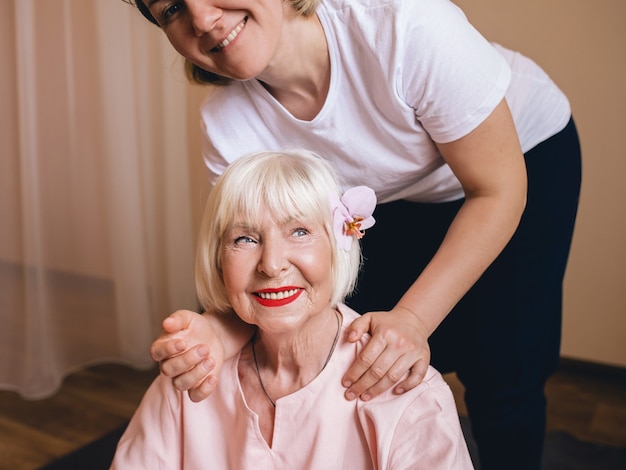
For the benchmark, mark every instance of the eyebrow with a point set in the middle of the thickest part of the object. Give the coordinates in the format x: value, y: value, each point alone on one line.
x: 240, y: 226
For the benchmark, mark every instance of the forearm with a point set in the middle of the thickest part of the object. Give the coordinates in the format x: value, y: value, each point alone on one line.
x: 479, y: 232
x: 490, y: 166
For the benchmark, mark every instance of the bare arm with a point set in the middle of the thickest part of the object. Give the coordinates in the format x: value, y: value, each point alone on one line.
x: 490, y: 166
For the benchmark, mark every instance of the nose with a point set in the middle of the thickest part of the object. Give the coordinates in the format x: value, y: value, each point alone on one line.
x: 203, y: 15
x: 274, y: 258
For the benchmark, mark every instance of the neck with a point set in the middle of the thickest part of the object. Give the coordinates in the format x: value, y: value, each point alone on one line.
x: 291, y: 372
x: 301, y: 353
x: 299, y: 74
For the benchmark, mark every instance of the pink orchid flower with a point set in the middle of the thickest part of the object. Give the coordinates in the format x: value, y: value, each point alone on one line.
x: 352, y: 214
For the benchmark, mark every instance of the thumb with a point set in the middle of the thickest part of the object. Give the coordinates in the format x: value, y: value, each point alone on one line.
x: 358, y: 328
x: 178, y: 321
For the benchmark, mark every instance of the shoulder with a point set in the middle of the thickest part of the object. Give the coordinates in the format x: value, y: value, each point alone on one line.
x: 432, y: 394
x: 389, y: 5
x: 428, y: 415
x: 431, y: 419
x: 378, y: 13
x: 153, y: 425
x: 217, y: 95
x: 230, y: 127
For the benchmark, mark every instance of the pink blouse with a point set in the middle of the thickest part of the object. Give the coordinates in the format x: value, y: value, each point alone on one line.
x: 315, y: 427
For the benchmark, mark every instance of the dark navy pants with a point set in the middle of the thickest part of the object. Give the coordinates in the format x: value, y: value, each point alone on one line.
x: 503, y: 338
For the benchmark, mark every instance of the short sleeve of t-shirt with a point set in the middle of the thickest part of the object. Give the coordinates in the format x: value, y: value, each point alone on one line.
x: 449, y: 73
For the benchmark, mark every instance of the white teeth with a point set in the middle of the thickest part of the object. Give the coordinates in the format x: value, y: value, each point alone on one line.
x: 233, y: 34
x: 277, y: 295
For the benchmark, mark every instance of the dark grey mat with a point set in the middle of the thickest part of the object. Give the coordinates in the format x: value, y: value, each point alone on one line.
x: 96, y: 455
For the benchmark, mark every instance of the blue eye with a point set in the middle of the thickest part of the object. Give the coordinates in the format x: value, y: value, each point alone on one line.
x: 244, y: 239
x: 300, y: 232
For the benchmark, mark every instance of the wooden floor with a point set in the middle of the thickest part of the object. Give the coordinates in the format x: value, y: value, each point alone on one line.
x: 585, y: 401
x: 90, y: 404
x: 589, y: 405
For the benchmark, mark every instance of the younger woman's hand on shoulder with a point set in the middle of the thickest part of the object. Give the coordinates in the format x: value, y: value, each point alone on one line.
x: 184, y: 355
x: 399, y: 344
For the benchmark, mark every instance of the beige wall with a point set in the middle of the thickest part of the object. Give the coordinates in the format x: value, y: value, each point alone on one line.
x: 582, y: 44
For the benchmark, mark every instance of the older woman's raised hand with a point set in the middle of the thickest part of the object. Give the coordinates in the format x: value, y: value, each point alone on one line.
x: 399, y: 344
x: 183, y: 353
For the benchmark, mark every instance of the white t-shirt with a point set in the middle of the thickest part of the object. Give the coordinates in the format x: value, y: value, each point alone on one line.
x: 404, y: 74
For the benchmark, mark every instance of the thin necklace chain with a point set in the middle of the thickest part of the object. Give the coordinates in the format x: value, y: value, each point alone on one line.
x: 330, y: 353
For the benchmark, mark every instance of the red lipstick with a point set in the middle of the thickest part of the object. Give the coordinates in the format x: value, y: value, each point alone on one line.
x: 277, y: 297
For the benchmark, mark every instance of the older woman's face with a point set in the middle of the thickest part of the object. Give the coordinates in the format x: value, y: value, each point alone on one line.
x: 232, y: 38
x: 277, y: 275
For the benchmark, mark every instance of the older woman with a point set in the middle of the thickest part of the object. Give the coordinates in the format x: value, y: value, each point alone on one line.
x: 280, y: 248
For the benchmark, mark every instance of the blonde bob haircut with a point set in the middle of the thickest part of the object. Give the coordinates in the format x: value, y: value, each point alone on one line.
x: 286, y: 186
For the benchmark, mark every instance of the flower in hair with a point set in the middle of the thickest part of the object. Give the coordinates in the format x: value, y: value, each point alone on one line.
x: 352, y: 214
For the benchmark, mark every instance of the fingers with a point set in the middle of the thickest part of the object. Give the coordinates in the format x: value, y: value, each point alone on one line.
x: 197, y: 364
x: 194, y: 376
x: 415, y: 377
x: 385, y: 370
x: 178, y: 321
x: 358, y: 328
x: 204, y: 389
x: 183, y: 353
x: 362, y: 365
x: 380, y: 377
x: 396, y: 347
x: 168, y: 344
x: 176, y: 365
x: 165, y: 347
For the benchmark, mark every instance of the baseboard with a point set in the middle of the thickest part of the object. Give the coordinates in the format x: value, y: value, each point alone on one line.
x: 595, y: 369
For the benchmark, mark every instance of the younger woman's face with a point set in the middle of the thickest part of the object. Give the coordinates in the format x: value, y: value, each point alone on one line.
x: 231, y: 38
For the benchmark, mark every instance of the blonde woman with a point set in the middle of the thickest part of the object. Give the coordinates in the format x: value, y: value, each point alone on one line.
x: 279, y: 247
x: 473, y: 154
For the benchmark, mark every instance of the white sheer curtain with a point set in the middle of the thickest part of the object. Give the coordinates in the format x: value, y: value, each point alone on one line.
x: 96, y: 237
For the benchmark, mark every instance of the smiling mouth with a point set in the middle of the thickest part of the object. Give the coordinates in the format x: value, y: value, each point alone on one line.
x: 277, y: 295
x: 231, y: 37
x: 277, y: 298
